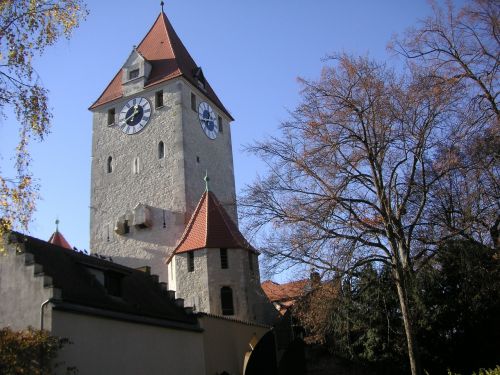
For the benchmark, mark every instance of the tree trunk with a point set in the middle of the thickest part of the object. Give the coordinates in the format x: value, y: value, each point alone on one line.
x: 405, y: 312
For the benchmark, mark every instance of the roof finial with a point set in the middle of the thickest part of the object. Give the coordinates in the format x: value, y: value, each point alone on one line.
x: 207, y: 179
x: 162, y: 3
x: 57, y: 225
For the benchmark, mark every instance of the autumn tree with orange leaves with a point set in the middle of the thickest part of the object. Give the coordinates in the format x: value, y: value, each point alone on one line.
x: 379, y: 167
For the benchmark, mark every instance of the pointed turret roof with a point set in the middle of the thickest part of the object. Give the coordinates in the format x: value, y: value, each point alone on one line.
x: 58, y: 239
x: 163, y: 49
x: 211, y: 227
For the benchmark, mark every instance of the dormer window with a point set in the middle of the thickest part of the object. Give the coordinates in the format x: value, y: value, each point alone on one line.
x: 200, y: 78
x: 133, y: 74
x: 113, y: 283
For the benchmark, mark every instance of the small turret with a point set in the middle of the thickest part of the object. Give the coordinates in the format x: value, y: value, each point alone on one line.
x: 58, y: 239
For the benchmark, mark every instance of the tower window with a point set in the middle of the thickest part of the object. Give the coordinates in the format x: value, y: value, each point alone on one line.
x: 223, y: 259
x: 190, y: 261
x: 197, y: 159
x: 111, y: 116
x: 219, y: 122
x: 159, y: 99
x: 250, y: 262
x: 110, y: 164
x: 226, y: 299
x: 126, y: 227
x: 161, y: 150
x: 193, y: 101
x: 133, y: 74
x: 136, y: 166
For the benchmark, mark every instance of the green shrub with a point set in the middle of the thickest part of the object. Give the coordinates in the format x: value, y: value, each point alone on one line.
x: 30, y: 351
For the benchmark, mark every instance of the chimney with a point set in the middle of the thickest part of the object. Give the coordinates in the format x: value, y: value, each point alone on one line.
x: 315, y: 279
x: 171, y: 294
x: 145, y: 269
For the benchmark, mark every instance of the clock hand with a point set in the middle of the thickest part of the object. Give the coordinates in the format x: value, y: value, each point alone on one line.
x: 136, y: 111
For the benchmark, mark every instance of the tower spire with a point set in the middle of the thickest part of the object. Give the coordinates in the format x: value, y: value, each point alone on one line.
x: 207, y: 179
x: 162, y: 3
x: 57, y: 225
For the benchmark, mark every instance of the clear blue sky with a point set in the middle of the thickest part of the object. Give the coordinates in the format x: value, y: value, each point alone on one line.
x: 250, y: 51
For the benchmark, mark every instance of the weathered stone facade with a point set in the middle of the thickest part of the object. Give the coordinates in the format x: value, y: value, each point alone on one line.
x: 170, y: 187
x: 201, y: 288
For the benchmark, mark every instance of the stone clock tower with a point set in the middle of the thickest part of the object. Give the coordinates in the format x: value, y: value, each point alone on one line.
x: 158, y: 127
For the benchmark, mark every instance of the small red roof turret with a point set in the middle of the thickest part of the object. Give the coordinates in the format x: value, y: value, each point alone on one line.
x: 58, y: 239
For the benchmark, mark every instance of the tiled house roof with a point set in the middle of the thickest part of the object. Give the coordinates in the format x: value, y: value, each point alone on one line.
x: 211, y: 227
x: 284, y: 296
x: 285, y: 292
x: 85, y: 281
x: 169, y: 58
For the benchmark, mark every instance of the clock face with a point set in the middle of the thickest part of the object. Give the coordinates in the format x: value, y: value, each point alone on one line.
x: 208, y: 120
x: 134, y: 115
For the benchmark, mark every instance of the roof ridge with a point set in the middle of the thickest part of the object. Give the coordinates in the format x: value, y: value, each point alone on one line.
x: 206, y: 194
x: 150, y: 29
x: 105, y: 90
x: 231, y: 225
x: 165, y: 20
x: 189, y: 226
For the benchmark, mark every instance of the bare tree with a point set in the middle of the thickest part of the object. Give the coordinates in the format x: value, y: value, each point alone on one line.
x: 462, y: 49
x: 352, y: 176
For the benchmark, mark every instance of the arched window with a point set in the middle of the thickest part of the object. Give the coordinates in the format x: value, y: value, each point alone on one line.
x: 226, y: 299
x: 161, y: 150
x: 110, y: 164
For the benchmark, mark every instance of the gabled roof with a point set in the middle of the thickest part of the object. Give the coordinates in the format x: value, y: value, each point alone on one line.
x: 211, y: 227
x: 285, y: 292
x: 58, y: 239
x: 71, y: 272
x: 163, y: 49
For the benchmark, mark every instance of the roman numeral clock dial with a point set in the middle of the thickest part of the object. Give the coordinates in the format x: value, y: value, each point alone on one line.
x: 208, y: 120
x: 134, y: 115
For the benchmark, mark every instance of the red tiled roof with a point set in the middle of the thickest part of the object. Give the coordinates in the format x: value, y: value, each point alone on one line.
x: 58, y: 239
x: 169, y: 59
x: 210, y: 227
x: 284, y: 292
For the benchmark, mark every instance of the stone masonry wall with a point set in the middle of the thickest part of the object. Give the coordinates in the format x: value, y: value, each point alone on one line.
x: 159, y: 183
x: 170, y: 187
x: 24, y: 288
x: 193, y: 286
x: 215, y: 156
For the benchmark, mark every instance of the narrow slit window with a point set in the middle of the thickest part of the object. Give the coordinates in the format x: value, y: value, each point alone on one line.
x: 133, y: 74
x: 250, y: 262
x: 161, y: 150
x: 223, y: 259
x: 219, y: 122
x: 226, y: 298
x: 136, y: 166
x: 110, y: 164
x: 193, y: 101
x: 126, y: 227
x: 111, y: 116
x: 159, y: 99
x: 190, y: 261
